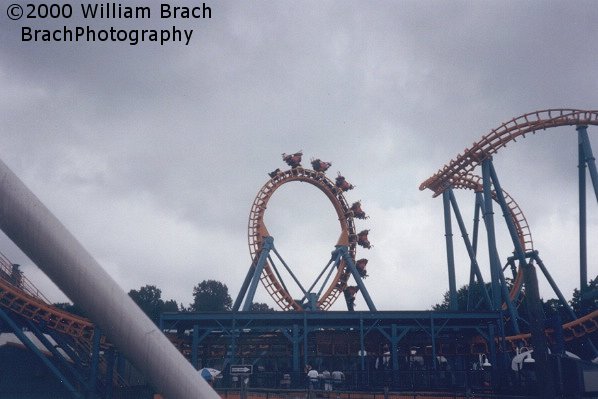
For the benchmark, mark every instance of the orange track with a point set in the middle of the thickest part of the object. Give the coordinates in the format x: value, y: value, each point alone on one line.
x: 473, y: 182
x: 27, y: 301
x: 457, y: 173
x: 258, y: 230
x: 500, y: 137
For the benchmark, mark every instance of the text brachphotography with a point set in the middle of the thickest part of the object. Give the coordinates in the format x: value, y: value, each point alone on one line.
x: 112, y: 34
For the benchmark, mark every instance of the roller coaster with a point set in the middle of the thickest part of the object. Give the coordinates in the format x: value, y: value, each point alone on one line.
x: 308, y: 332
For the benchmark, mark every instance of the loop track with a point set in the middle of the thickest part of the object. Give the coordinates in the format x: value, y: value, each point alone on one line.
x: 258, y: 230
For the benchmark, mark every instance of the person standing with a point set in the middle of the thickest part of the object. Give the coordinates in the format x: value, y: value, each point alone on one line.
x: 327, y: 380
x: 313, y: 378
x: 337, y: 379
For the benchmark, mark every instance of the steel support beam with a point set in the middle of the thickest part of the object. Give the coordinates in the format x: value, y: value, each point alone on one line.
x: 27, y: 342
x: 471, y: 251
x: 534, y: 306
x: 479, y: 203
x: 39, y: 234
x: 95, y: 361
x: 558, y: 293
x: 489, y: 222
x: 195, y: 346
x: 589, y: 157
x: 55, y: 353
x: 259, y: 267
x: 583, y: 239
x: 344, y: 251
x: 362, y: 353
x: 450, y: 255
x: 296, y: 347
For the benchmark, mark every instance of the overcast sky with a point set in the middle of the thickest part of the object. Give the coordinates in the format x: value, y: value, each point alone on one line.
x: 152, y: 155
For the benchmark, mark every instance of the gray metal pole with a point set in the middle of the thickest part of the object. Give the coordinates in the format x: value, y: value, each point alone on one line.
x: 39, y: 234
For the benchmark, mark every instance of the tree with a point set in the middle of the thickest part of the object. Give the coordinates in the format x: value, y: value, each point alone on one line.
x: 149, y: 299
x: 260, y: 307
x: 585, y: 302
x: 170, y: 306
x: 211, y: 295
x: 476, y: 300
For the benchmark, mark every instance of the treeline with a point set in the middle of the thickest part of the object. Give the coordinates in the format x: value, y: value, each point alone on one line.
x: 208, y: 296
x: 581, y: 303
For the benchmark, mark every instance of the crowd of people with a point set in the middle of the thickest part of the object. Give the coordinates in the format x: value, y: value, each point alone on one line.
x: 325, y: 380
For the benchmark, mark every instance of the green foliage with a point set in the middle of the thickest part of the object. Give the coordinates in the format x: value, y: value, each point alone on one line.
x: 586, y: 302
x: 211, y: 295
x: 260, y: 307
x: 476, y: 301
x: 149, y: 299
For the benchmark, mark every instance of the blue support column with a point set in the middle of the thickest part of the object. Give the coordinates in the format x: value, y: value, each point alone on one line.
x: 450, y: 257
x: 195, y: 347
x: 344, y: 251
x: 394, y: 340
x: 95, y: 361
x: 27, y: 342
x: 489, y: 222
x: 589, y: 157
x: 109, y: 378
x: 534, y: 305
x: 564, y: 302
x: 305, y: 336
x: 479, y: 203
x: 259, y: 267
x: 493, y: 359
x: 55, y: 353
x: 362, y: 353
x: 233, y: 345
x: 295, y: 348
x: 583, y: 240
x: 475, y: 270
x: 433, y: 336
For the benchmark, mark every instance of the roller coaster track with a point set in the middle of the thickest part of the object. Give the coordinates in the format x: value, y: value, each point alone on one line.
x: 500, y: 137
x: 573, y: 330
x: 457, y: 174
x: 26, y: 300
x: 258, y: 230
x: 524, y: 234
x: 20, y: 296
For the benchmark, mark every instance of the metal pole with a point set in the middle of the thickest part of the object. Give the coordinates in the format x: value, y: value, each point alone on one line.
x: 362, y: 353
x: 295, y: 347
x: 558, y: 293
x: 351, y: 265
x: 37, y: 232
x: 27, y: 342
x: 259, y: 267
x: 195, y: 347
x: 589, y: 157
x: 475, y: 269
x: 450, y: 256
x: 583, y: 240
x: 489, y: 222
x: 95, y: 361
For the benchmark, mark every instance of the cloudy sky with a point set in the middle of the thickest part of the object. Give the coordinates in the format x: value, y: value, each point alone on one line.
x: 152, y: 155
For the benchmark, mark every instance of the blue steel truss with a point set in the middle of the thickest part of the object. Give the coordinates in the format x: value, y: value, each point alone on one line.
x: 76, y: 369
x: 499, y: 289
x: 399, y: 330
x: 309, y: 300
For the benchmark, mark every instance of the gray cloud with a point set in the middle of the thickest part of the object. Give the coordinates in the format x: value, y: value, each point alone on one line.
x: 152, y: 155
